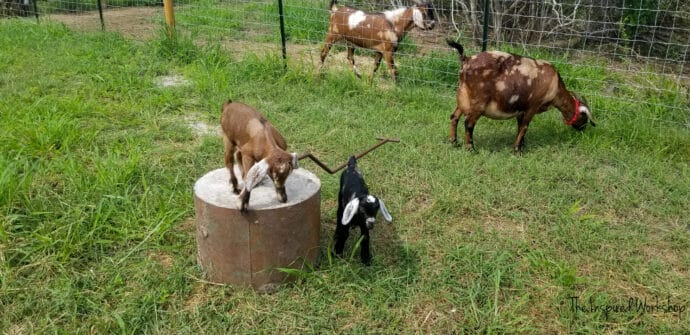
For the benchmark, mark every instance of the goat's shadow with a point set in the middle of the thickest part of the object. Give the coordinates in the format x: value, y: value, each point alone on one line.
x: 501, y: 138
x: 387, y: 249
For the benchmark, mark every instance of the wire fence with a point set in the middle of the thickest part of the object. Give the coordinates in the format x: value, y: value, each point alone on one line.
x: 642, y: 43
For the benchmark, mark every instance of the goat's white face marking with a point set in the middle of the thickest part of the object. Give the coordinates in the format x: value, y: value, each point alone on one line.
x: 584, y: 110
x: 254, y: 126
x: 394, y: 15
x: 371, y: 199
x: 529, y: 82
x: 500, y: 86
x: 355, y: 19
x: 513, y: 99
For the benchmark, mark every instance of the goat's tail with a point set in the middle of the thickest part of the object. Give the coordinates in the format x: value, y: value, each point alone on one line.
x: 332, y: 6
x: 225, y: 104
x: 352, y: 163
x: 457, y: 46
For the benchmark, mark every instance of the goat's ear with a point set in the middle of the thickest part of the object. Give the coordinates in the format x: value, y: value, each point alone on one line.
x: 295, y: 161
x: 350, y: 211
x: 255, y: 174
x: 384, y: 211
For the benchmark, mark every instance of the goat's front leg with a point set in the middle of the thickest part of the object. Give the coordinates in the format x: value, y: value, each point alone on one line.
x: 365, y: 252
x: 523, y: 123
x: 230, y: 162
x: 351, y: 59
x: 247, y: 163
x: 388, y: 55
x: 327, y: 47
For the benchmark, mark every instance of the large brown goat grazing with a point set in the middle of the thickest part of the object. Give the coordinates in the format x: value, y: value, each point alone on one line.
x: 381, y: 32
x: 258, y: 146
x: 501, y: 86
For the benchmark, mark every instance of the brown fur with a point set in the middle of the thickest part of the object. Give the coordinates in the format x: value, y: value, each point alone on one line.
x: 375, y: 32
x: 499, y: 85
x: 249, y: 137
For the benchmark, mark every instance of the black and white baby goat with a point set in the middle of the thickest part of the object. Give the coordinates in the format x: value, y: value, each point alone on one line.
x: 356, y: 208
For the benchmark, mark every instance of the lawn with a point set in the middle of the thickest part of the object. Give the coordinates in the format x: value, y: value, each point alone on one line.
x: 98, y: 160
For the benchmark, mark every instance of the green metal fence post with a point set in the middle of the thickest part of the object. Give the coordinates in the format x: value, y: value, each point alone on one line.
x: 35, y: 9
x: 282, y: 31
x: 485, y: 34
x: 100, y: 14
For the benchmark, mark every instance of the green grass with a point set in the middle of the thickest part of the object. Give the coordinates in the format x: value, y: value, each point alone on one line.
x: 98, y: 162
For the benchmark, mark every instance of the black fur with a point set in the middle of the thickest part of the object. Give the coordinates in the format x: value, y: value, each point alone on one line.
x: 352, y: 186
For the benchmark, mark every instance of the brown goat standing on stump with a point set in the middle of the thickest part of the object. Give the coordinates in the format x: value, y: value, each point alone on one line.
x: 501, y: 86
x: 259, y: 148
x: 380, y: 32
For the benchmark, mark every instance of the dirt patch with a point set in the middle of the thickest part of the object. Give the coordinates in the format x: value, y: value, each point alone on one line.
x: 140, y: 23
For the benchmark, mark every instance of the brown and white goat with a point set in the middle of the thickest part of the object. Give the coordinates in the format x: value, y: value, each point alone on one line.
x: 381, y: 32
x: 259, y: 148
x: 501, y: 86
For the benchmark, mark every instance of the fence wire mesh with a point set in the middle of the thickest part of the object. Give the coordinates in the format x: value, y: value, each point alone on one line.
x: 631, y: 41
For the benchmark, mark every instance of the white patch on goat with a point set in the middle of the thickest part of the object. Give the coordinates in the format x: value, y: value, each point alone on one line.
x: 528, y: 68
x: 371, y: 199
x: 388, y: 36
x: 584, y: 110
x: 487, y: 73
x: 498, y: 54
x: 355, y: 19
x: 529, y: 82
x: 335, y: 28
x: 513, y: 99
x: 254, y: 126
x: 500, y: 86
x: 394, y: 15
x: 493, y: 112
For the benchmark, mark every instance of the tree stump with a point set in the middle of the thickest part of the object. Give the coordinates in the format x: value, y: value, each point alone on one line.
x: 247, y: 248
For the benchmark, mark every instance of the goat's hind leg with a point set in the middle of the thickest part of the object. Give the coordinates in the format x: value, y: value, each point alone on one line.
x: 341, y: 234
x: 454, y: 118
x: 470, y: 122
